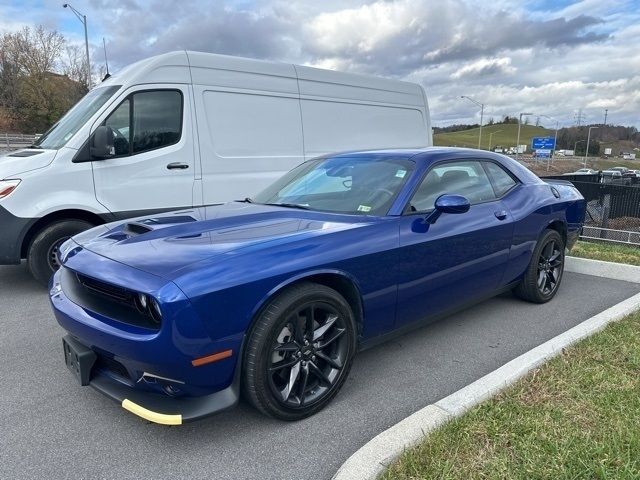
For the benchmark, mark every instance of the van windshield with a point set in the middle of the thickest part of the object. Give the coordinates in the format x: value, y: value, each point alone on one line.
x: 58, y: 135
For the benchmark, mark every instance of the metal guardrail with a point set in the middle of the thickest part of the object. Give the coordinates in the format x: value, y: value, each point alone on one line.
x: 610, y: 235
x: 9, y: 140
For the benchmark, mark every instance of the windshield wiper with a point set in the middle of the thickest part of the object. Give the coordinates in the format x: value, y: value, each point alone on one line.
x: 290, y: 205
x: 246, y: 200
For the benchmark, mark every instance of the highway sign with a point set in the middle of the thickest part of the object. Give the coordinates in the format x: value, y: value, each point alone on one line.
x: 543, y: 142
x: 543, y: 152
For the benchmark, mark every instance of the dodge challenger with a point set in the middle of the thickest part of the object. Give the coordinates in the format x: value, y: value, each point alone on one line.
x: 175, y: 315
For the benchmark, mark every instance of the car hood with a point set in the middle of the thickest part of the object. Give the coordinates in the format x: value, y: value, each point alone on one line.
x: 21, y: 161
x: 162, y: 244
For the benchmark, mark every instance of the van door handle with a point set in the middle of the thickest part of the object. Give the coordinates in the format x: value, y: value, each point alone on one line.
x: 177, y: 166
x: 501, y: 214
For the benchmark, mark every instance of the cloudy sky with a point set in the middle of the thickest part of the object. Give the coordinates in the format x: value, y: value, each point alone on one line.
x: 551, y: 57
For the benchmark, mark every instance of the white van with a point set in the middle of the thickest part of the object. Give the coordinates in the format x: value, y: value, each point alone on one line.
x: 186, y: 129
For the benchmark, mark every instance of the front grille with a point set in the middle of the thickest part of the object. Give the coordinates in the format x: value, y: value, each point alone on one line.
x: 111, y: 301
x: 113, y: 292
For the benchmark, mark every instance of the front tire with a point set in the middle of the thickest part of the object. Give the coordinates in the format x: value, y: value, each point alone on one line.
x: 42, y: 259
x: 299, y: 352
x: 544, y: 273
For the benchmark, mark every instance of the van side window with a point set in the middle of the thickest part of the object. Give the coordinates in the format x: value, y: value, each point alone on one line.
x: 156, y: 117
x: 119, y: 123
x: 466, y: 178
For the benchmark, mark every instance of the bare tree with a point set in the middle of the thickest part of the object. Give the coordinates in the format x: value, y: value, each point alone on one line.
x: 74, y: 65
x: 38, y: 83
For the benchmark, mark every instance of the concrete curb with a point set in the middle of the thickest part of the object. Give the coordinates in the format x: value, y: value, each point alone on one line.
x: 371, y: 460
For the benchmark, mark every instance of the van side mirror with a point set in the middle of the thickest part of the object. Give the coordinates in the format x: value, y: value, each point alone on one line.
x: 448, y: 204
x: 102, y: 143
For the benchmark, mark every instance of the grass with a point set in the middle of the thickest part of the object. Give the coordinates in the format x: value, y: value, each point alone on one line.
x: 607, y: 252
x: 506, y: 137
x: 576, y: 417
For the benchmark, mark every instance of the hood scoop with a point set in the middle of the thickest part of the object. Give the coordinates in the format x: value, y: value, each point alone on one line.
x: 25, y: 153
x: 133, y: 229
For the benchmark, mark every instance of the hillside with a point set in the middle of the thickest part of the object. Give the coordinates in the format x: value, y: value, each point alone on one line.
x: 506, y: 136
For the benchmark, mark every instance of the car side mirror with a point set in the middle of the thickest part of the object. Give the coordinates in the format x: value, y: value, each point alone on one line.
x: 102, y: 143
x: 448, y: 204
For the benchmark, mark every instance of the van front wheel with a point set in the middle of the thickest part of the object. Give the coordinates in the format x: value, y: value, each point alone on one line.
x: 42, y: 257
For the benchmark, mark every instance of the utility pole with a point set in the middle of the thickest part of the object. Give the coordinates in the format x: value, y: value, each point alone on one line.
x: 606, y: 110
x: 481, y: 105
x: 579, y: 117
x: 586, y: 153
x: 518, y: 140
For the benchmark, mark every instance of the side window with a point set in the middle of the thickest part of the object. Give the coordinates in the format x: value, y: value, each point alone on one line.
x: 119, y: 122
x: 466, y: 178
x: 157, y: 121
x: 502, y: 181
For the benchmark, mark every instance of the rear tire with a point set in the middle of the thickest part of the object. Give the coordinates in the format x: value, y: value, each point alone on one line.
x: 42, y: 254
x: 299, y: 352
x: 544, y: 273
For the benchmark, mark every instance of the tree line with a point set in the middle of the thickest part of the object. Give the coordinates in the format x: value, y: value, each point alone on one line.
x: 42, y: 75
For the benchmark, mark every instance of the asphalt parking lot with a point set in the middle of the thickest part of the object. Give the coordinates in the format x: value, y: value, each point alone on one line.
x: 52, y: 428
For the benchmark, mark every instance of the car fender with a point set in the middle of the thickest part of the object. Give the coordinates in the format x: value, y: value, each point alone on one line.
x: 297, y: 278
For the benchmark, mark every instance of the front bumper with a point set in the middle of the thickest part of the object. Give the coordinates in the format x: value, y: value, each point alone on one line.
x: 155, y: 377
x: 156, y: 407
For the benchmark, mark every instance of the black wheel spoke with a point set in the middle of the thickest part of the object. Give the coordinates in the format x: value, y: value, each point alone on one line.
x: 555, y: 256
x: 318, y: 373
x: 547, y: 251
x: 335, y: 363
x: 303, y: 383
x: 332, y: 338
x: 286, y: 347
x: 299, y: 325
x: 290, y: 362
x: 541, y: 277
x: 320, y: 331
x: 293, y: 377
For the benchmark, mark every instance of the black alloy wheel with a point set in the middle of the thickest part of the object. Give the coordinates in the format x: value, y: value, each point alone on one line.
x: 308, y: 355
x: 542, y: 279
x: 549, y: 267
x: 299, y: 352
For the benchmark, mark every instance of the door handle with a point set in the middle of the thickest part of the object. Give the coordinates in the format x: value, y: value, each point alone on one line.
x: 177, y: 166
x: 501, y: 214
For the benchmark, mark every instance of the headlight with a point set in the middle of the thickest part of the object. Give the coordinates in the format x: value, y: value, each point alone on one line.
x: 8, y: 186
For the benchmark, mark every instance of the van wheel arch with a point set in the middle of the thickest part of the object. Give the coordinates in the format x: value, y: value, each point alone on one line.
x: 58, y: 216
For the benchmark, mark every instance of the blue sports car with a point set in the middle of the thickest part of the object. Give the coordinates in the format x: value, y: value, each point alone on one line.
x: 175, y: 315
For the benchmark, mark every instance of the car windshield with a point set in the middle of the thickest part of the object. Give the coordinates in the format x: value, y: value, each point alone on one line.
x: 353, y: 185
x: 58, y: 135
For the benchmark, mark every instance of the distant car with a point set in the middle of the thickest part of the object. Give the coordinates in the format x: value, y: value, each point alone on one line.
x: 624, y: 171
x: 615, y: 176
x: 173, y: 315
x: 584, y: 171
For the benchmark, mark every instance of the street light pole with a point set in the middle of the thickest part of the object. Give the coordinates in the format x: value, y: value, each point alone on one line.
x: 518, y: 139
x: 491, y: 135
x: 83, y: 19
x: 586, y: 152
x: 481, y: 105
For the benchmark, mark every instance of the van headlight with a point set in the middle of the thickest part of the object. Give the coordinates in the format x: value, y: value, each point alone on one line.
x: 8, y: 186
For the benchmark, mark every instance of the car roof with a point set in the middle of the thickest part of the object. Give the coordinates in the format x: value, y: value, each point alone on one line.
x: 424, y: 157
